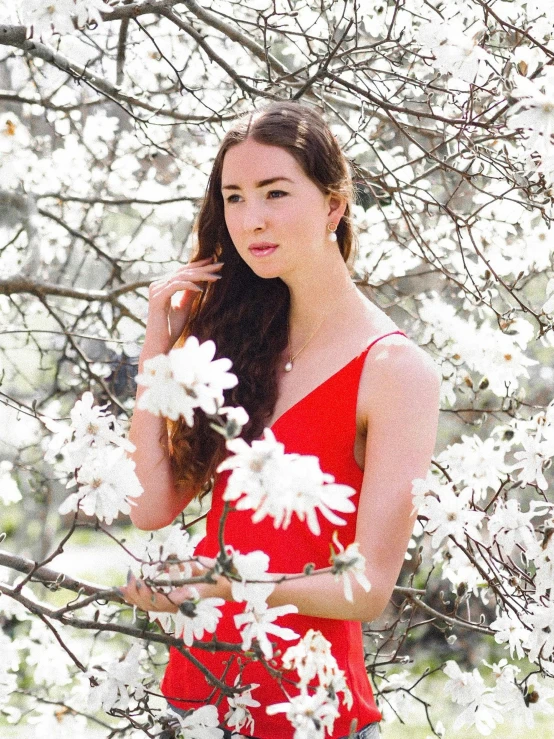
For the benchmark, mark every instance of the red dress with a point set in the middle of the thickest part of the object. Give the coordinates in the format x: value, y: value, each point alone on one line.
x: 323, y: 423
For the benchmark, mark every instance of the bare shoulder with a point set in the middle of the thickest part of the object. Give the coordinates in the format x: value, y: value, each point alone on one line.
x: 397, y: 370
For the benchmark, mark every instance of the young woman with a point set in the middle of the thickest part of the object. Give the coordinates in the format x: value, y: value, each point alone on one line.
x: 320, y: 365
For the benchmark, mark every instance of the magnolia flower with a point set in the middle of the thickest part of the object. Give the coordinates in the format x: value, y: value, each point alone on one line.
x: 185, y: 379
x: 107, y: 483
x: 310, y: 715
x: 544, y: 563
x: 535, y: 110
x: 251, y: 568
x: 117, y: 683
x: 238, y: 716
x: 91, y: 427
x: 9, y: 661
x: 164, y: 396
x: 535, y: 454
x: 450, y: 515
x: 311, y: 658
x: 485, y: 713
x: 258, y: 623
x: 271, y: 483
x: 203, y: 723
x: 58, y: 14
x: 540, y: 641
x: 476, y: 462
x: 349, y: 562
x: 49, y: 721
x: 236, y: 418
x: 193, y: 618
x: 511, y: 630
x: 465, y: 687
x: 468, y: 689
x: 172, y: 556
x: 8, y: 683
x: 510, y: 526
x: 9, y: 491
x: 454, y: 47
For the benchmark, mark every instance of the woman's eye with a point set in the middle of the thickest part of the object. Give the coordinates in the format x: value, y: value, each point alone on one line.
x: 276, y: 193
x: 231, y: 198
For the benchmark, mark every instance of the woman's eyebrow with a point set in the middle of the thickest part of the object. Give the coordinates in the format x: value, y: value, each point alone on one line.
x: 261, y: 183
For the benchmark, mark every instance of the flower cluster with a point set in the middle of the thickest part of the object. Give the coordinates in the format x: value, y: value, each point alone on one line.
x: 94, y: 444
x: 313, y: 713
x: 116, y: 682
x: 185, y: 379
x: 270, y: 482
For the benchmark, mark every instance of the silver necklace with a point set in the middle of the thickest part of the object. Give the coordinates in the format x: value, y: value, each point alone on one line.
x: 289, y: 364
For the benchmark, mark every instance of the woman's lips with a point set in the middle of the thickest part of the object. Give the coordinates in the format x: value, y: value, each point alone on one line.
x: 262, y: 249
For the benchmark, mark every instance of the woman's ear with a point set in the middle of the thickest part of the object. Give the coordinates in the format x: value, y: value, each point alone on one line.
x: 337, y: 207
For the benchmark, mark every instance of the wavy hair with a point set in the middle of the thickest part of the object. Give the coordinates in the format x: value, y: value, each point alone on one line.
x: 246, y: 315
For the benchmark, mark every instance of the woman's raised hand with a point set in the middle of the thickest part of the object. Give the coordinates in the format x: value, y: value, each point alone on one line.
x: 166, y: 320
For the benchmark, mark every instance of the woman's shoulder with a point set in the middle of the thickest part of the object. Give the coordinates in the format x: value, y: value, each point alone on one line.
x: 395, y: 360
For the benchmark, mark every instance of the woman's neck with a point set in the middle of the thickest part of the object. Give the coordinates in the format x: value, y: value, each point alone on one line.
x: 313, y: 296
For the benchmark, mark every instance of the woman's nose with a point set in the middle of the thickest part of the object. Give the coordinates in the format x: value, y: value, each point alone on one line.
x: 254, y: 218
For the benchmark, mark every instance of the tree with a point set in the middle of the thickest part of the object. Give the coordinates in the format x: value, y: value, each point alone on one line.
x: 112, y: 112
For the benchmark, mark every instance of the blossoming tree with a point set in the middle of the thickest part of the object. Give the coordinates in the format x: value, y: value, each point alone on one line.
x: 111, y: 112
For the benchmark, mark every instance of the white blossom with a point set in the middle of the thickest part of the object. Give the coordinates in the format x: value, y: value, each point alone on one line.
x: 255, y: 585
x: 544, y: 562
x: 476, y: 462
x: 509, y: 629
x: 203, y: 723
x: 257, y: 622
x: 271, y: 483
x: 107, y: 484
x: 510, y: 526
x: 194, y: 617
x: 171, y: 556
x: 312, y: 657
x: 540, y: 641
x: 312, y: 716
x: 58, y: 14
x: 91, y: 427
x: 468, y: 689
x: 117, y: 682
x: 450, y: 515
x: 534, y: 111
x: 238, y: 716
x: 9, y: 490
x: 185, y: 379
x: 9, y: 664
x: 50, y: 721
x: 535, y: 454
x: 455, y: 48
x: 349, y: 563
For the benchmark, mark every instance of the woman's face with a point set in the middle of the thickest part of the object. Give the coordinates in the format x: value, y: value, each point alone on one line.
x: 276, y: 216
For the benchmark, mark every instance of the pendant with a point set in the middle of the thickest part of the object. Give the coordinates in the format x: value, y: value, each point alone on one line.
x: 288, y: 366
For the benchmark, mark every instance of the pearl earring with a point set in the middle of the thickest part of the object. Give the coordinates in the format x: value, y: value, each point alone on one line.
x: 331, y: 227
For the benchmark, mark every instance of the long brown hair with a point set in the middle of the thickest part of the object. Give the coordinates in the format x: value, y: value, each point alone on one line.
x: 246, y: 315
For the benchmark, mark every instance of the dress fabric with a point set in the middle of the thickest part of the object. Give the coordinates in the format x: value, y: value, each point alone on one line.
x: 323, y: 423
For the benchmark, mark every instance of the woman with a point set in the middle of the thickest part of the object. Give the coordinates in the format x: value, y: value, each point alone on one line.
x: 279, y: 301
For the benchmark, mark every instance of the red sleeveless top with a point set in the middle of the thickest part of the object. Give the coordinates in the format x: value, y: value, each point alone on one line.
x: 323, y: 423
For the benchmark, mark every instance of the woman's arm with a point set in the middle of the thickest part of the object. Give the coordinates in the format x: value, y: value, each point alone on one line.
x: 161, y: 500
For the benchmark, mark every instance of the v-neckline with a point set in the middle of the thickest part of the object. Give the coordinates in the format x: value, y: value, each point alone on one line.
x: 324, y: 382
